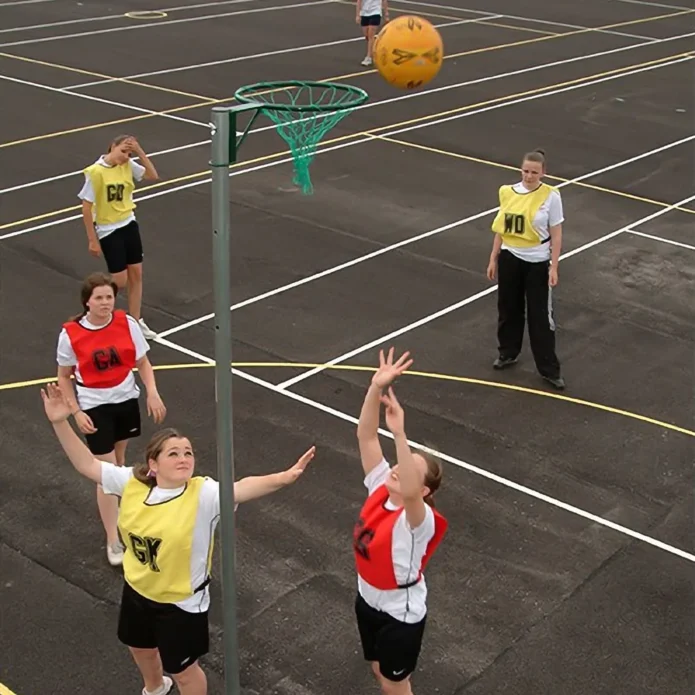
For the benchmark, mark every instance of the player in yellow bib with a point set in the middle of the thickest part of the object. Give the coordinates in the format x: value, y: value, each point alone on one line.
x: 167, y: 521
x: 524, y: 260
x: 108, y: 213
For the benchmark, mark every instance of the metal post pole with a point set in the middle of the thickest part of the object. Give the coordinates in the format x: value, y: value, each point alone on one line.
x: 223, y: 384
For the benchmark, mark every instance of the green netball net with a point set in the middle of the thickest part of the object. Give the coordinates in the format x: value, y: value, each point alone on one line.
x: 303, y: 112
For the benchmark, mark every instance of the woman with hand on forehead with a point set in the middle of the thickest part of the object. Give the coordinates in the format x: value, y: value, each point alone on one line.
x: 109, y: 217
x: 167, y: 521
x: 524, y: 259
x: 395, y: 537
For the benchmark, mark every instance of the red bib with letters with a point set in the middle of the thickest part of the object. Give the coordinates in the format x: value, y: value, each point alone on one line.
x: 104, y: 357
x: 372, y: 539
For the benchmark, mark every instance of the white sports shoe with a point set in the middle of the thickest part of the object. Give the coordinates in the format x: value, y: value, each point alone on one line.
x: 367, y: 61
x: 114, y: 553
x: 163, y: 689
x: 146, y: 330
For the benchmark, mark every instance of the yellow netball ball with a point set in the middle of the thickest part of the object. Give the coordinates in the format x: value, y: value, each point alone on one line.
x: 408, y: 52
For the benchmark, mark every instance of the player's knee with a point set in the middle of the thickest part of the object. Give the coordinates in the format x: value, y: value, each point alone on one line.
x: 134, y: 273
x: 389, y: 687
x: 190, y: 676
x: 121, y: 279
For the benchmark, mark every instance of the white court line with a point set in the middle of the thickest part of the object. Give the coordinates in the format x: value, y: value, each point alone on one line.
x: 654, y: 4
x: 129, y: 107
x: 69, y: 174
x: 529, y: 19
x: 164, y: 22
x: 266, y: 54
x: 661, y: 239
x: 469, y: 300
x: 23, y: 2
x: 107, y: 17
x: 408, y: 241
x: 410, y: 95
x: 324, y: 150
x: 445, y: 457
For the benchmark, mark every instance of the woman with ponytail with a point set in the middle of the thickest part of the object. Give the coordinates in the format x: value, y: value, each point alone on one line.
x: 395, y: 537
x: 168, y: 519
x: 100, y: 348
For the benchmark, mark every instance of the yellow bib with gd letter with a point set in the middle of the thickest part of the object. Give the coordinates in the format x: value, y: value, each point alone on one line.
x: 113, y: 192
x: 514, y: 221
x: 159, y: 539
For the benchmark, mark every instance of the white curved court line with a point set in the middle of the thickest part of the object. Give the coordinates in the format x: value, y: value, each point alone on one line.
x: 506, y: 482
x: 163, y: 22
x: 107, y: 17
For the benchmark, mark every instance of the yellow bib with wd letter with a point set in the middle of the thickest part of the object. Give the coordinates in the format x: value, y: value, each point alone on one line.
x: 514, y: 221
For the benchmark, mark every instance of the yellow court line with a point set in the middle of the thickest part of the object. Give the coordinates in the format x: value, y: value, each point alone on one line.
x: 4, y: 690
x: 365, y: 133
x: 67, y: 68
x: 480, y: 20
x: 457, y: 155
x: 336, y: 78
x: 427, y: 375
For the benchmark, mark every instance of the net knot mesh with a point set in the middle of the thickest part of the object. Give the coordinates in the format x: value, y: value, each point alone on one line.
x: 303, y: 113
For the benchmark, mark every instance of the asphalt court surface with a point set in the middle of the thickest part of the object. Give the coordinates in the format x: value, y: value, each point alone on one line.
x: 526, y: 596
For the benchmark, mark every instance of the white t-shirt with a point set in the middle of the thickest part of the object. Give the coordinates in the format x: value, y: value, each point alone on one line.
x: 549, y: 214
x: 88, y: 397
x: 408, y: 547
x: 370, y: 8
x: 87, y: 193
x: 114, y: 479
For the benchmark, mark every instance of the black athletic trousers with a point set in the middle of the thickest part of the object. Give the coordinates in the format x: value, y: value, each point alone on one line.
x: 523, y: 287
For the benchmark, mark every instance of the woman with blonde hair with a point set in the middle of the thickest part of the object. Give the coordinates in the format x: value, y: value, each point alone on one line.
x: 524, y: 259
x: 168, y: 520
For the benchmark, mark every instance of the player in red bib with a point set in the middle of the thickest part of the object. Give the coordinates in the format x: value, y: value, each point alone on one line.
x: 100, y: 348
x: 396, y: 535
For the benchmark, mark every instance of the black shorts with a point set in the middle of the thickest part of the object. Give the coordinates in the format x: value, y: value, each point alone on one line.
x: 395, y: 645
x: 122, y: 248
x: 115, y: 422
x: 181, y: 637
x: 372, y: 20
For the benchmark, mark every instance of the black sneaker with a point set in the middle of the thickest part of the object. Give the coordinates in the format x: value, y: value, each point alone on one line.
x: 503, y: 362
x: 558, y: 382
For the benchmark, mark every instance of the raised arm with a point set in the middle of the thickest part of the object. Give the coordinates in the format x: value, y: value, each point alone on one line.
x: 368, y: 425
x: 255, y: 486
x: 58, y: 412
x: 411, y: 480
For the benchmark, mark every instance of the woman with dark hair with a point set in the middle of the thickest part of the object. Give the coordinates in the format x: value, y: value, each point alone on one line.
x: 168, y: 520
x: 525, y: 256
x: 395, y: 537
x: 107, y: 213
x: 100, y: 348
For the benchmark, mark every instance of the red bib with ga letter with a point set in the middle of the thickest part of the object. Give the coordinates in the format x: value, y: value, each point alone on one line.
x: 372, y: 541
x: 106, y: 356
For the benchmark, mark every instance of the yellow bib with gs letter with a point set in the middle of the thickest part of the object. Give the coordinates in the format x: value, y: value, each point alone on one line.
x: 514, y: 220
x: 113, y: 192
x: 159, y: 540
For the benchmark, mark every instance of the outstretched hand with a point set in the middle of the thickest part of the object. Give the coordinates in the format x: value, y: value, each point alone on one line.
x: 395, y: 417
x: 57, y: 409
x: 293, y: 473
x: 389, y: 370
